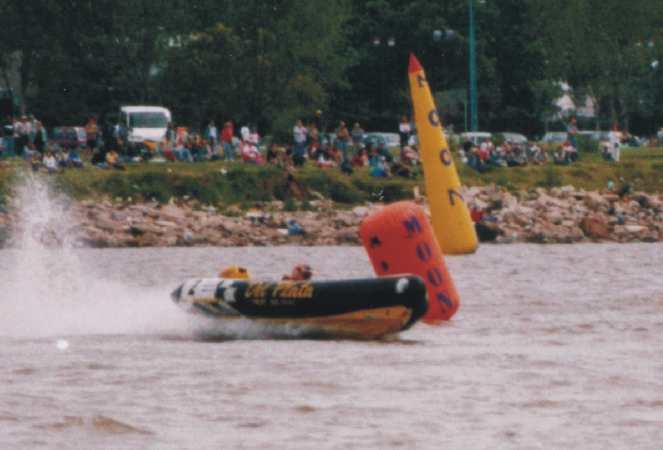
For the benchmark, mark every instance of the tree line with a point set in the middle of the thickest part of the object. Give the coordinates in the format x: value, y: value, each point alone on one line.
x: 271, y: 61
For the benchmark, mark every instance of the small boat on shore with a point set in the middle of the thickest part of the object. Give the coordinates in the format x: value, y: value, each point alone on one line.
x: 355, y: 309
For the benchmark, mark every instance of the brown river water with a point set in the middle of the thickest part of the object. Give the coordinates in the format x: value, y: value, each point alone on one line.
x: 554, y: 347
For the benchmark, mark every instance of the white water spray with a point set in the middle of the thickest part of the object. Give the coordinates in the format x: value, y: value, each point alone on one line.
x: 50, y: 292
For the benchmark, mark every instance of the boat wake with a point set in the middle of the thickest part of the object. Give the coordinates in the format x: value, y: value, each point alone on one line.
x: 50, y: 290
x: 53, y: 287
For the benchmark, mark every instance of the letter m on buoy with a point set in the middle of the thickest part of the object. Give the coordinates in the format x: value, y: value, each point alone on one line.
x: 412, y: 226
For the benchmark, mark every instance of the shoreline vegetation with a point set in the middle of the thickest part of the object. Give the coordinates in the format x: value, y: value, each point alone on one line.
x: 238, y: 204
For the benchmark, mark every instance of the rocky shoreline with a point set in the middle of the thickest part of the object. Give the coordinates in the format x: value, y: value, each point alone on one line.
x: 558, y: 215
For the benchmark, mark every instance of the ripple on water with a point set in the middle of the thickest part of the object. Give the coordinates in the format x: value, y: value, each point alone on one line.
x: 101, y: 424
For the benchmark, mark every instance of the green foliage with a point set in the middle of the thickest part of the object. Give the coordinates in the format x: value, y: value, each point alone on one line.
x: 504, y: 181
x: 289, y: 205
x: 551, y: 177
x: 605, y: 49
x: 333, y: 185
x: 587, y: 145
x: 270, y: 62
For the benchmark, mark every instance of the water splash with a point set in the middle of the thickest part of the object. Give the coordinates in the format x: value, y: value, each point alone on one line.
x: 51, y: 287
x: 51, y: 291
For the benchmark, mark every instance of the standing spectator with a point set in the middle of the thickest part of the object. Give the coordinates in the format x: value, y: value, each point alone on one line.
x: 244, y: 133
x: 319, y: 121
x: 227, y: 141
x: 212, y: 135
x: 41, y: 138
x: 357, y: 136
x: 404, y: 131
x: 8, y: 135
x: 108, y: 134
x: 615, y: 141
x: 313, y: 140
x: 91, y: 130
x: 343, y: 139
x: 21, y: 132
x: 572, y: 132
x: 254, y: 136
x: 299, y: 135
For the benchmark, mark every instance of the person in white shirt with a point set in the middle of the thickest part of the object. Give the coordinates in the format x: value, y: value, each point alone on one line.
x: 404, y: 131
x: 299, y: 134
x: 212, y: 135
x: 50, y: 162
x: 615, y: 141
x: 245, y: 133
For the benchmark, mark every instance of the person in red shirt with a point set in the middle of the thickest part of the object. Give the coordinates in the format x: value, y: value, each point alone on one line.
x: 227, y: 141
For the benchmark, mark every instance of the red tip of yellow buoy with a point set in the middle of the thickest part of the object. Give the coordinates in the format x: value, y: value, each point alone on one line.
x: 414, y: 64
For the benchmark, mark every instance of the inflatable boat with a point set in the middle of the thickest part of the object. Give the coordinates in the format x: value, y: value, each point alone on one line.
x: 356, y: 309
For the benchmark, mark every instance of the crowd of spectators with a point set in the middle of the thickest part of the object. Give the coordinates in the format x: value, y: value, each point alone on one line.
x: 347, y: 149
x: 487, y: 154
x: 103, y: 144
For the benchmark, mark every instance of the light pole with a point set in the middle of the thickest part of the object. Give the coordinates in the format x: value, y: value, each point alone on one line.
x: 472, y: 63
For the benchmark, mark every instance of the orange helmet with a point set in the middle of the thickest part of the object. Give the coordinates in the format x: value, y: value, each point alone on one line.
x: 235, y: 272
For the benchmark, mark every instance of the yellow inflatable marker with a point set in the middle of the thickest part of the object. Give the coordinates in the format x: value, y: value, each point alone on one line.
x: 451, y: 219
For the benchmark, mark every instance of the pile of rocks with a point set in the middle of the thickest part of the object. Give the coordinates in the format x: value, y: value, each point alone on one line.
x: 567, y: 214
x: 558, y: 215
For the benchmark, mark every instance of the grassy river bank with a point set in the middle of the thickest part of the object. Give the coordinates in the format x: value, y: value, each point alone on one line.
x: 222, y: 184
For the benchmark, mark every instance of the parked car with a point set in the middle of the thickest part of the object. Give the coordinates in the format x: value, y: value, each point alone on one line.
x: 554, y: 137
x: 476, y: 137
x: 68, y: 137
x: 388, y: 140
x: 514, y: 138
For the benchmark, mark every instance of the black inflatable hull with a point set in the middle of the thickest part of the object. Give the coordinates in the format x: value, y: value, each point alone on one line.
x: 361, y: 308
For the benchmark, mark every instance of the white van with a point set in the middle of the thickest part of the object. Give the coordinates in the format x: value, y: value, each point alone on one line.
x: 476, y: 137
x: 144, y: 123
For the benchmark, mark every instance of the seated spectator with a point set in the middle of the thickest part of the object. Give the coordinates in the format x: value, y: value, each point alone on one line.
x: 336, y: 155
x: 182, y: 153
x: 565, y: 154
x: 74, y: 159
x: 250, y: 153
x: 570, y: 151
x: 478, y: 158
x: 35, y: 162
x: 536, y: 154
x: 50, y: 162
x: 360, y: 158
x: 377, y: 164
x: 165, y: 148
x: 409, y: 155
x: 113, y: 161
x: 324, y: 159
x: 385, y: 153
x: 61, y: 157
x: 254, y: 137
x: 294, y: 228
x: 606, y: 152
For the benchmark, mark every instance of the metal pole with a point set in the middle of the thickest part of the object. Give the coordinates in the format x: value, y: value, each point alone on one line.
x: 474, y: 113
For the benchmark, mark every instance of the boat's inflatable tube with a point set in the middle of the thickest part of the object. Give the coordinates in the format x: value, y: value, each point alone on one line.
x: 451, y: 218
x: 399, y: 239
x: 361, y: 308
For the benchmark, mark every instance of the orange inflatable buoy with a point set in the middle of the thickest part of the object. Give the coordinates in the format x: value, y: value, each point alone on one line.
x: 400, y: 240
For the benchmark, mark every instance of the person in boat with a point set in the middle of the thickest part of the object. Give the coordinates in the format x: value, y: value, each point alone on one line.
x: 234, y: 272
x: 301, y: 272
